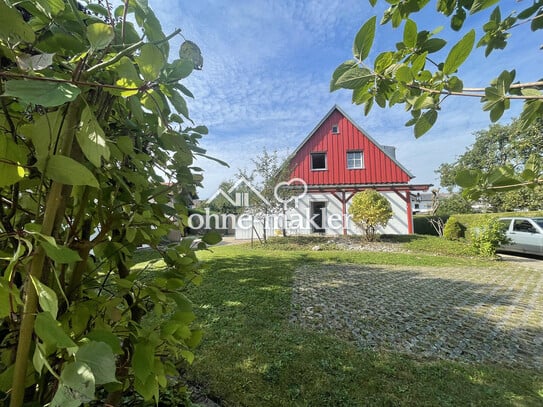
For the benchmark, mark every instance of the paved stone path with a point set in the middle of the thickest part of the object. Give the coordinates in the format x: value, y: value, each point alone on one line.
x: 491, y: 315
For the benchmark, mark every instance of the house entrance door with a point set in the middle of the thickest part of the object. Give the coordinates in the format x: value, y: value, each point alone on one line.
x: 317, y: 216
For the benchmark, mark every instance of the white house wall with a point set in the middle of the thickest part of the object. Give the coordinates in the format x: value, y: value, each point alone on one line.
x: 298, y: 219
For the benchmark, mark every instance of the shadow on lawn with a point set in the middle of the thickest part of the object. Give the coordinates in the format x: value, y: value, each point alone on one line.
x: 252, y: 355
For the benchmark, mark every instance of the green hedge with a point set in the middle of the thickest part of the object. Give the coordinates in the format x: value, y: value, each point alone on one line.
x: 422, y: 226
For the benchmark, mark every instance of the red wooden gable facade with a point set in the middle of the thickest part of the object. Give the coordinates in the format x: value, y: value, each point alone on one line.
x: 339, y: 158
x: 336, y: 137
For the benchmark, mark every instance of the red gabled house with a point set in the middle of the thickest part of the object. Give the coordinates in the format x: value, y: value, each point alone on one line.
x: 336, y: 160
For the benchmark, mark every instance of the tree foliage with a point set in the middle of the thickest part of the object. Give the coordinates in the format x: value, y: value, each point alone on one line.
x: 96, y: 149
x: 452, y: 204
x: 424, y: 70
x: 501, y: 149
x: 269, y: 171
x: 370, y: 209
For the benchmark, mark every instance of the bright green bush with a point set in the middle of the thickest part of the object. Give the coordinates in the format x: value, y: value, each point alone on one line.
x: 453, y: 229
x: 487, y: 236
x: 369, y: 210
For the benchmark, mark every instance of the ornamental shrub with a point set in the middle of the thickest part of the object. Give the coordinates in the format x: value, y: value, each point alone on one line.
x: 453, y: 229
x: 370, y: 209
x: 487, y: 236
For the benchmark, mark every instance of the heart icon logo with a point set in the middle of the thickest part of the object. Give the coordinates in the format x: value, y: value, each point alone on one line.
x: 292, y: 190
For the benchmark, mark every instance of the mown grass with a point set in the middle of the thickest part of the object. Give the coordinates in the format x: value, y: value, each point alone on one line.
x: 252, y: 355
x: 418, y: 244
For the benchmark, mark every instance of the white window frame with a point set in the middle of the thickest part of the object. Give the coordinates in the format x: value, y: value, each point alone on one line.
x: 325, y: 161
x: 355, y: 163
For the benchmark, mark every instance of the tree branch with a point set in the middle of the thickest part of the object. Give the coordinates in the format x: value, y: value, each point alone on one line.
x: 128, y: 50
x: 56, y: 80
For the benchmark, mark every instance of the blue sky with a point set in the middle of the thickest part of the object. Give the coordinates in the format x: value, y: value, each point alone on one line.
x: 267, y: 69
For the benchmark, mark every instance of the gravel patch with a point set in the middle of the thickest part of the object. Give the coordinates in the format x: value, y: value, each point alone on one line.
x: 472, y: 315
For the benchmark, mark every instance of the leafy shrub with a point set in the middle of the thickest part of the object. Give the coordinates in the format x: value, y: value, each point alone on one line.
x: 453, y: 229
x: 370, y: 209
x: 487, y: 236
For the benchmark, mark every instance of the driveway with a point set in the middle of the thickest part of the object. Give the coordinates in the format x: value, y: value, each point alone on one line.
x: 523, y: 261
x: 471, y: 315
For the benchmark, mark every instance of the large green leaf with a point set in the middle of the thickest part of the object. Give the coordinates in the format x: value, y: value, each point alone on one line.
x: 191, y: 52
x: 142, y: 361
x: 147, y: 389
x: 179, y: 69
x: 100, y: 35
x: 108, y: 337
x: 178, y: 102
x: 70, y: 172
x: 101, y: 360
x: 340, y: 70
x: 433, y: 45
x: 92, y: 139
x: 128, y: 77
x: 47, y: 297
x: 354, y: 78
x: 212, y: 237
x: 77, y: 386
x: 150, y: 61
x: 364, y: 39
x: 60, y: 254
x: 404, y: 74
x: 47, y: 94
x: 34, y: 62
x: 459, y: 53
x: 425, y: 122
x: 51, y: 333
x: 467, y: 178
x: 51, y: 8
x: 11, y: 158
x: 410, y: 34
x: 42, y: 133
x: 13, y: 28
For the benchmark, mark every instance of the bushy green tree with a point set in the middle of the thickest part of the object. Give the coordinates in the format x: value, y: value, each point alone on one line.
x: 497, y: 148
x: 96, y: 148
x: 452, y: 204
x: 369, y: 209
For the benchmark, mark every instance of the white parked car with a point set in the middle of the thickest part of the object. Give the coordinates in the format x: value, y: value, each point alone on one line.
x: 525, y: 235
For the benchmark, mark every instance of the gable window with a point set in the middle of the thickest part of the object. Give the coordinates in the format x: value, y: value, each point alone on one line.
x: 318, y: 161
x: 355, y: 159
x: 335, y: 129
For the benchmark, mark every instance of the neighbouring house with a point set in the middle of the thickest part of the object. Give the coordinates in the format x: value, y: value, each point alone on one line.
x: 423, y: 203
x: 335, y: 161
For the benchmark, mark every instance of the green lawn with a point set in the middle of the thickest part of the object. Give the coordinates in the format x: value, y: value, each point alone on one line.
x: 252, y: 355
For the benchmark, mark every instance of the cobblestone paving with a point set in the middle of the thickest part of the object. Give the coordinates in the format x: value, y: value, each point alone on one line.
x: 491, y: 315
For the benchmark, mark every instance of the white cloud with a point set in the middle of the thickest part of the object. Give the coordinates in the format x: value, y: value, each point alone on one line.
x: 265, y: 82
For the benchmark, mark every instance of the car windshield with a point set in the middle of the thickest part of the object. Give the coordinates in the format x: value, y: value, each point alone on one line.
x: 539, y: 221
